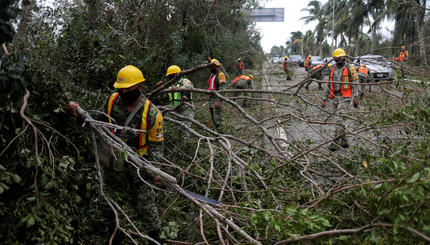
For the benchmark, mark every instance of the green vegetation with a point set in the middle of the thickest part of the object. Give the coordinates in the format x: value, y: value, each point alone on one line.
x: 275, y: 190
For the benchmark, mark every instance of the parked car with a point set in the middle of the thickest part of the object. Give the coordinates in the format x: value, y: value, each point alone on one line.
x: 296, y: 59
x: 317, y: 60
x: 277, y: 59
x: 377, y: 65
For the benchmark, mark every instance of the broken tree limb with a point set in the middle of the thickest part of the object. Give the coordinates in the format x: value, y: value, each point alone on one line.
x: 117, y: 144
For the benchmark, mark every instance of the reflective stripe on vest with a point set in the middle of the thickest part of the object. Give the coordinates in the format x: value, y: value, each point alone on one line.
x: 363, y: 70
x: 402, y: 55
x: 176, y: 99
x: 239, y: 65
x: 143, y: 146
x: 212, y: 83
x: 110, y: 103
x: 345, y: 90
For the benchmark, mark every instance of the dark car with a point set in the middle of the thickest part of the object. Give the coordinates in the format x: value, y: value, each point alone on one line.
x: 377, y: 65
x: 296, y: 59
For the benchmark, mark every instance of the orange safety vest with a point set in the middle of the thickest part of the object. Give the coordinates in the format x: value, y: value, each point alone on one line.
x: 345, y: 90
x: 316, y: 67
x: 143, y: 145
x: 363, y: 70
x: 241, y: 77
x: 403, y: 55
x: 307, y: 62
x: 239, y: 65
x: 284, y: 65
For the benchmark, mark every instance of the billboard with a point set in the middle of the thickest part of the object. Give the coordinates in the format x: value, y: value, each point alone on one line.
x: 267, y: 15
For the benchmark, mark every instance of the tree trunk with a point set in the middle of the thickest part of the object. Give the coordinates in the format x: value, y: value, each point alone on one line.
x: 23, y: 24
x: 373, y: 47
x: 420, y: 31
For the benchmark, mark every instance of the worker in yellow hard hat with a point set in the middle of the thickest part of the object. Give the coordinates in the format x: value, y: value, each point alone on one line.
x: 216, y: 82
x: 128, y: 107
x: 239, y: 67
x: 403, y: 57
x: 285, y: 67
x: 341, y: 94
x: 243, y: 82
x: 181, y: 101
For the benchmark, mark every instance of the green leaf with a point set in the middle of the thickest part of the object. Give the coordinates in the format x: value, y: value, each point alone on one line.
x: 343, y: 238
x: 414, y: 178
x: 30, y: 221
x: 49, y: 185
x: 16, y: 178
x: 266, y: 215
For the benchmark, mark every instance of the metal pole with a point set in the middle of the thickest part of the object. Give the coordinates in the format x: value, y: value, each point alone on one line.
x: 332, y: 40
x: 302, y: 38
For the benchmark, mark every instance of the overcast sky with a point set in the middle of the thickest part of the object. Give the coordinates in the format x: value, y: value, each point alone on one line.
x: 277, y: 33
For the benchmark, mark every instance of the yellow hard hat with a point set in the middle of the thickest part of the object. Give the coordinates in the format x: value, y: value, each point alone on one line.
x: 403, y: 47
x: 309, y: 56
x: 216, y: 62
x: 238, y: 58
x: 173, y: 70
x: 251, y: 76
x: 338, y: 53
x: 286, y: 57
x: 128, y: 76
x: 328, y: 65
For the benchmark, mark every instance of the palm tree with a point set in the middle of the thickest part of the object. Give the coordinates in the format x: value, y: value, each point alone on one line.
x: 316, y: 13
x: 409, y: 24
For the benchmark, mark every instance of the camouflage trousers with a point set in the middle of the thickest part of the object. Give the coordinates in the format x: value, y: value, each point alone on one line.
x: 186, y: 111
x: 241, y: 86
x: 287, y: 71
x: 342, y: 106
x: 125, y: 187
x: 216, y: 114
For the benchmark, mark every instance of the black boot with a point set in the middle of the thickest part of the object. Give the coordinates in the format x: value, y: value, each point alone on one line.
x: 306, y: 87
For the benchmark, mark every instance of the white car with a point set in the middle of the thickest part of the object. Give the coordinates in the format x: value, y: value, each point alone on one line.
x: 277, y: 59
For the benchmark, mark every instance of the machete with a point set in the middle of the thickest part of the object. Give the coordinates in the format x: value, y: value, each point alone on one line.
x: 198, y: 197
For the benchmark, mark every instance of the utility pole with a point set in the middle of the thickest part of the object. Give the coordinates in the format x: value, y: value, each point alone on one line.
x: 332, y: 40
x: 302, y: 38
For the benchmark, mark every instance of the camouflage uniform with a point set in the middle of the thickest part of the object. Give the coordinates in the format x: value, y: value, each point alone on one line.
x: 363, y: 80
x: 184, y: 109
x: 239, y: 67
x: 126, y: 179
x: 242, y: 83
x: 319, y: 75
x: 286, y: 69
x: 216, y: 114
x: 340, y: 103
